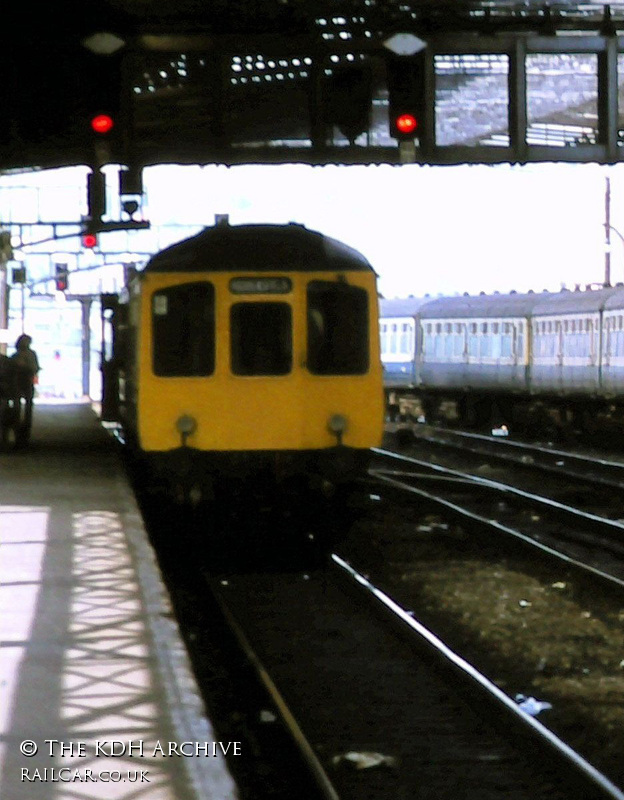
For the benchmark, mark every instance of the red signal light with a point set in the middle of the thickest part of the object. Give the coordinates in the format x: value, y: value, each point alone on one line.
x: 406, y: 123
x: 89, y: 240
x: 102, y: 124
x: 61, y: 277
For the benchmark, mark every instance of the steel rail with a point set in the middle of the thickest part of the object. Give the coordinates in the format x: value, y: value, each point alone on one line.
x: 498, y: 526
x: 502, y: 444
x: 595, y: 519
x: 506, y: 442
x: 305, y: 748
x: 583, y: 768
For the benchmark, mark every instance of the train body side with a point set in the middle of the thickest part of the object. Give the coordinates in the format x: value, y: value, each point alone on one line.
x: 612, y: 346
x: 565, y: 345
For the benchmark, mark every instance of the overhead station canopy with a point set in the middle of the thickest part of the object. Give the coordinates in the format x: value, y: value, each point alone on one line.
x: 281, y: 81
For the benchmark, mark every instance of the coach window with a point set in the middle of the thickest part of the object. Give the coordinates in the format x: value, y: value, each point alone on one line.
x: 610, y: 344
x: 448, y: 340
x: 439, y: 341
x: 589, y: 327
x: 506, y: 340
x: 338, y: 323
x: 619, y: 338
x: 183, y: 330
x: 473, y: 340
x: 404, y: 346
x: 393, y: 338
x: 496, y: 340
x: 485, y: 345
x: 429, y: 340
x: 458, y: 339
x: 261, y: 338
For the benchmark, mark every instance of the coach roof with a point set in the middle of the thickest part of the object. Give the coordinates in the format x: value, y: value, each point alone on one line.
x: 401, y: 306
x: 482, y: 305
x: 576, y: 302
x: 531, y: 304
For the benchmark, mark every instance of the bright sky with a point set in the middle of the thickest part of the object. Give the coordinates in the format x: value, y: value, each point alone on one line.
x: 424, y: 229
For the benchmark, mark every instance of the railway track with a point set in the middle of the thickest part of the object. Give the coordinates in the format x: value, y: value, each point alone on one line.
x: 313, y: 687
x: 318, y: 673
x: 602, y: 470
x: 586, y: 540
x: 359, y: 681
x: 457, y: 556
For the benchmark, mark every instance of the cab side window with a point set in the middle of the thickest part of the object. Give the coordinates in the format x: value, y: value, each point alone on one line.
x: 338, y: 329
x: 183, y: 330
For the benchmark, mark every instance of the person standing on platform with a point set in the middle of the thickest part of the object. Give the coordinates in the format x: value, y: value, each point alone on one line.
x: 27, y: 368
x: 9, y: 399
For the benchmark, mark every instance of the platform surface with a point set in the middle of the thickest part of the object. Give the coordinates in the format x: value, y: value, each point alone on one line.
x: 94, y: 676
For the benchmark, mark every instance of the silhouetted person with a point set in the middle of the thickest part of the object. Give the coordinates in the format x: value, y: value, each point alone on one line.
x: 9, y: 400
x: 26, y: 368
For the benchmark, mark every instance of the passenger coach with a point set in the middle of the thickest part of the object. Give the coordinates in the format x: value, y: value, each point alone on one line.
x: 565, y: 349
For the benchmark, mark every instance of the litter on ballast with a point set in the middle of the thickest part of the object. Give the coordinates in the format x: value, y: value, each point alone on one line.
x: 530, y: 705
x: 364, y: 760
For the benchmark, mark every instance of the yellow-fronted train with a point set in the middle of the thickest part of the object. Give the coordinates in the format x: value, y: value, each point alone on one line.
x: 248, y: 357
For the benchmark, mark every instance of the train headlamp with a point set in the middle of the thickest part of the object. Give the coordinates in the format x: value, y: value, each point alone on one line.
x: 186, y: 425
x: 337, y: 424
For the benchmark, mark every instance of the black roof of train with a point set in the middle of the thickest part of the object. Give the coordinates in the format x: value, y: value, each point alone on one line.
x: 263, y: 248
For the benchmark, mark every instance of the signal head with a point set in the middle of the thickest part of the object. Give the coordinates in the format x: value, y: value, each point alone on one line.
x: 406, y: 124
x: 102, y: 124
x: 61, y: 277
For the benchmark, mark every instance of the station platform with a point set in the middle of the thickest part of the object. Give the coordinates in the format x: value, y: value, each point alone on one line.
x: 95, y: 683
